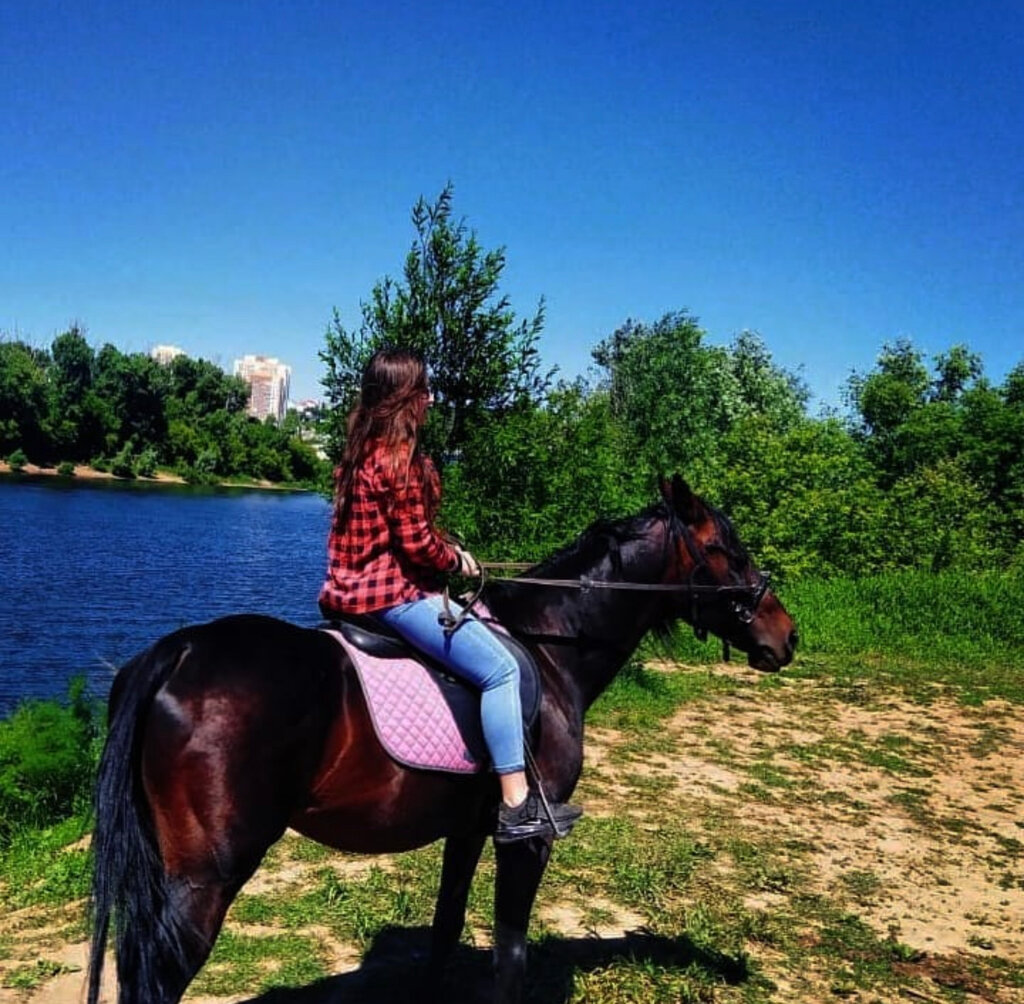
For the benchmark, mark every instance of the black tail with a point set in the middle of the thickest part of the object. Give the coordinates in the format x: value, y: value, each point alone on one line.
x: 128, y: 884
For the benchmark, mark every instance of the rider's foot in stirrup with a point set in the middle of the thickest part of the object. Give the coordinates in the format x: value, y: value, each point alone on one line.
x: 529, y: 819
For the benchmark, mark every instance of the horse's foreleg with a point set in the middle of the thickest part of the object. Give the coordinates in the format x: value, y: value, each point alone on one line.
x: 461, y: 856
x: 520, y: 867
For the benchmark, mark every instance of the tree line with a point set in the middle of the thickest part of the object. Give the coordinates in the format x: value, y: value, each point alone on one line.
x: 924, y: 470
x: 129, y: 414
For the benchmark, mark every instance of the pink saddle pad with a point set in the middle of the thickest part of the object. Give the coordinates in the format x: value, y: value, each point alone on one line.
x: 412, y: 719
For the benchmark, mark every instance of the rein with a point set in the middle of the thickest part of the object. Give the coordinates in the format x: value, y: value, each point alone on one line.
x: 586, y: 582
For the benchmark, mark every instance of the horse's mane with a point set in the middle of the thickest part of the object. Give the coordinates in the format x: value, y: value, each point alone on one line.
x: 603, y: 539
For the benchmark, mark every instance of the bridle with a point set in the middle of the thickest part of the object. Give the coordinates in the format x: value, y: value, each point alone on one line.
x: 745, y: 598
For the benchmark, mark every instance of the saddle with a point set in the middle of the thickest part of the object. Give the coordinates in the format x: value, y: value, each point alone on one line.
x: 424, y: 716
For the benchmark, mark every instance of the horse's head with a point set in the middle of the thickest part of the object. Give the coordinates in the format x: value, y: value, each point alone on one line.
x: 733, y: 601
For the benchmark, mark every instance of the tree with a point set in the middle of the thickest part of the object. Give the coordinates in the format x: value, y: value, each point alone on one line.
x: 531, y: 478
x: 23, y: 399
x: 886, y: 397
x: 956, y: 369
x: 669, y: 390
x: 447, y: 308
x: 136, y: 388
x: 677, y: 397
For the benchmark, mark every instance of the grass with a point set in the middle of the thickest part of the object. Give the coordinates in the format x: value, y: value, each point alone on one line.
x: 917, y: 630
x: 47, y: 866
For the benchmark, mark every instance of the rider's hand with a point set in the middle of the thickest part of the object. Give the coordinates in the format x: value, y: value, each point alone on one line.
x: 468, y: 565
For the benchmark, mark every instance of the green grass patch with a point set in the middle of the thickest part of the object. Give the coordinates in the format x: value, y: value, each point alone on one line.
x: 639, y: 698
x: 27, y: 978
x: 642, y: 868
x: 916, y: 629
x: 242, y: 963
x: 41, y: 866
x: 354, y: 909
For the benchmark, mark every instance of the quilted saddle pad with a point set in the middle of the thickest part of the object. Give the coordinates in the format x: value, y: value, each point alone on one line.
x: 413, y: 720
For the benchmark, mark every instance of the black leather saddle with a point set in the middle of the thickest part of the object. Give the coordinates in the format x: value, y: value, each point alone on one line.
x: 365, y: 632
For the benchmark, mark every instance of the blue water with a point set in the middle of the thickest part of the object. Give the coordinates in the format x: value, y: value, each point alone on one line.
x: 92, y: 573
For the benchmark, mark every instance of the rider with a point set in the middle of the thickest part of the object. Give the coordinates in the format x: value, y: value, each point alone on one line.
x: 385, y: 558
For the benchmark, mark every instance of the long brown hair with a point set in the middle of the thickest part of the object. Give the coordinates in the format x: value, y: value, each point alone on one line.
x: 388, y: 414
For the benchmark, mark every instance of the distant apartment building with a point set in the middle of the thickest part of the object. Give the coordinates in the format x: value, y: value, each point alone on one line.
x: 165, y: 354
x: 269, y: 383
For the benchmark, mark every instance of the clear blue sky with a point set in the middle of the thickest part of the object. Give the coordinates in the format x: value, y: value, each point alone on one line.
x: 220, y: 174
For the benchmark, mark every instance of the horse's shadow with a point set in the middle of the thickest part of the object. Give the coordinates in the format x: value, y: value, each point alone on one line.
x: 394, y: 969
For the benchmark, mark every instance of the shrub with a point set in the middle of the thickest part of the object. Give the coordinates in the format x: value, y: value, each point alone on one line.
x: 146, y: 465
x: 123, y: 465
x: 66, y: 469
x: 48, y: 757
x: 17, y: 460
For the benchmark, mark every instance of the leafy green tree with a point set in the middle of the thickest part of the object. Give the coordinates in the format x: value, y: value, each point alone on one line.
x: 806, y: 498
x: 676, y: 397
x: 198, y: 387
x: 23, y: 399
x: 136, y: 387
x: 762, y: 388
x: 72, y: 367
x: 531, y: 478
x: 956, y: 369
x: 937, y: 517
x: 48, y: 756
x: 668, y: 390
x: 448, y: 308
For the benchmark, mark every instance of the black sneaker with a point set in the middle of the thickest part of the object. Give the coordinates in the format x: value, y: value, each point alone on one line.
x: 529, y: 819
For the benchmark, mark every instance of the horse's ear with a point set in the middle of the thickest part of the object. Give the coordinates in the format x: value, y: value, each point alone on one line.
x: 680, y: 497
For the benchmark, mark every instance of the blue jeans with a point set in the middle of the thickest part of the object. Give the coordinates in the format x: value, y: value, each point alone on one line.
x: 475, y: 655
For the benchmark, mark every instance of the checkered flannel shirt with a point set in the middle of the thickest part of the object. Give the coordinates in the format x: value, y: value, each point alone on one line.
x: 388, y: 552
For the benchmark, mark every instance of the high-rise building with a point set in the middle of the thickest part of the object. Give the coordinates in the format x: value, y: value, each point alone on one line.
x: 269, y: 383
x: 165, y: 354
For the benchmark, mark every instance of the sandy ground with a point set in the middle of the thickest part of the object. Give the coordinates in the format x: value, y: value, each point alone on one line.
x: 86, y: 473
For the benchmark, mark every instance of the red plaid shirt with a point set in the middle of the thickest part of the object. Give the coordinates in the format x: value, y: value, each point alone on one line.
x: 388, y: 552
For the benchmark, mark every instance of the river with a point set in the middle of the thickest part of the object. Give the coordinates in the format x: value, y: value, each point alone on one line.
x: 93, y: 572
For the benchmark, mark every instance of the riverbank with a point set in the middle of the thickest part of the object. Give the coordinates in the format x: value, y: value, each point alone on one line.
x: 87, y: 473
x: 84, y: 472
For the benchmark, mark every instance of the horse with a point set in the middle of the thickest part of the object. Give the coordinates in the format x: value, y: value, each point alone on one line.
x: 223, y: 735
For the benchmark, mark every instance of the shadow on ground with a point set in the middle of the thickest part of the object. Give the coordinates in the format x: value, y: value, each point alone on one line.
x: 394, y: 969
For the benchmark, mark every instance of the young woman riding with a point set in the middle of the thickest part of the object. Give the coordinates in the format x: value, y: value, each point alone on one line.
x: 385, y: 558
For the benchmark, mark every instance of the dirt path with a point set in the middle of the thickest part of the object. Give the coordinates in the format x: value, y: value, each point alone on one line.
x: 906, y: 815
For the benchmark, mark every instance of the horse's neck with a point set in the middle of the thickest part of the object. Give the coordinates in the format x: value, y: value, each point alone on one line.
x: 590, y: 633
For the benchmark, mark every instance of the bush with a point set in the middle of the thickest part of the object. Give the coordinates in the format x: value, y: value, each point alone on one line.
x: 17, y: 460
x: 48, y: 757
x: 146, y: 465
x: 123, y: 465
x: 66, y: 469
x: 100, y: 464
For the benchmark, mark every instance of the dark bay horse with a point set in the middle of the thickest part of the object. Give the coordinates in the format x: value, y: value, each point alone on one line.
x: 222, y: 735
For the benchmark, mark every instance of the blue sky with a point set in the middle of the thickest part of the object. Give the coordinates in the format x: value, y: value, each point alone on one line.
x: 221, y: 174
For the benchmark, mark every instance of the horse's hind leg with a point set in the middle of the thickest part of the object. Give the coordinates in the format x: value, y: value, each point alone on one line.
x: 171, y: 947
x: 219, y: 795
x: 461, y: 856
